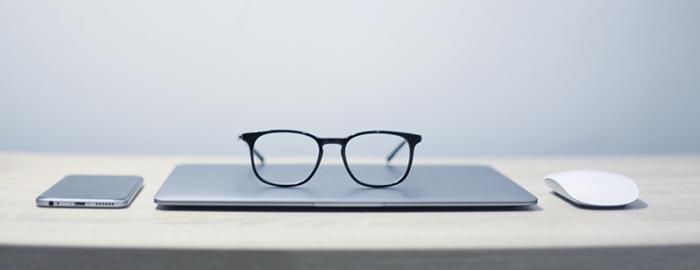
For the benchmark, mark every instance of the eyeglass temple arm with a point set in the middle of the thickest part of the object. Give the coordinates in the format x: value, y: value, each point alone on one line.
x: 255, y: 152
x: 395, y: 151
x: 259, y: 156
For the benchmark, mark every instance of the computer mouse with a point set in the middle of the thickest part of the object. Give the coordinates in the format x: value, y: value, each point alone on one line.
x: 594, y: 188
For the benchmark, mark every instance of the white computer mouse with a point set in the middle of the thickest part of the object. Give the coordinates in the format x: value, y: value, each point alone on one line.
x: 594, y: 188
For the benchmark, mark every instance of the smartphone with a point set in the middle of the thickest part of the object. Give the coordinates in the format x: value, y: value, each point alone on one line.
x: 92, y: 191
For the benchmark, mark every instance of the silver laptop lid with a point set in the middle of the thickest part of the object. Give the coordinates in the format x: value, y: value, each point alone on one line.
x: 435, y: 186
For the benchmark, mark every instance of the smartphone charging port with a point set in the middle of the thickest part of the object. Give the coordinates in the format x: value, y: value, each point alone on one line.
x: 80, y: 203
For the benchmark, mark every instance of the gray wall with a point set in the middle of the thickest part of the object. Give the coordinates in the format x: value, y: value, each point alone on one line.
x: 474, y: 77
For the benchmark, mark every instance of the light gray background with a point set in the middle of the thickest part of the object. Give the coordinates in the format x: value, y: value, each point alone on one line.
x: 474, y: 77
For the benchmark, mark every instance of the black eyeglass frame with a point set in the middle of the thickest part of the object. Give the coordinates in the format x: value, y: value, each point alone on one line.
x: 410, y: 139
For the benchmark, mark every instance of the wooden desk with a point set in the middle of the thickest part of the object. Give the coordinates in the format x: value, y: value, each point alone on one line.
x: 661, y: 231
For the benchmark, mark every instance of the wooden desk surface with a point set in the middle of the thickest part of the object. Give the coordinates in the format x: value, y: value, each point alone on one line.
x: 667, y: 214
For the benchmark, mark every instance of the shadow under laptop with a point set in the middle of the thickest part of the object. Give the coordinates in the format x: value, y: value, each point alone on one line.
x: 384, y: 209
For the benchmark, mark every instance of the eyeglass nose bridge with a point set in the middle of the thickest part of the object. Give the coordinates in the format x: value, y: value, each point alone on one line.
x: 324, y: 141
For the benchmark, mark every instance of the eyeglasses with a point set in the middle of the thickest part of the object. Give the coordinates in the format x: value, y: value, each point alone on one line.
x: 288, y: 158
